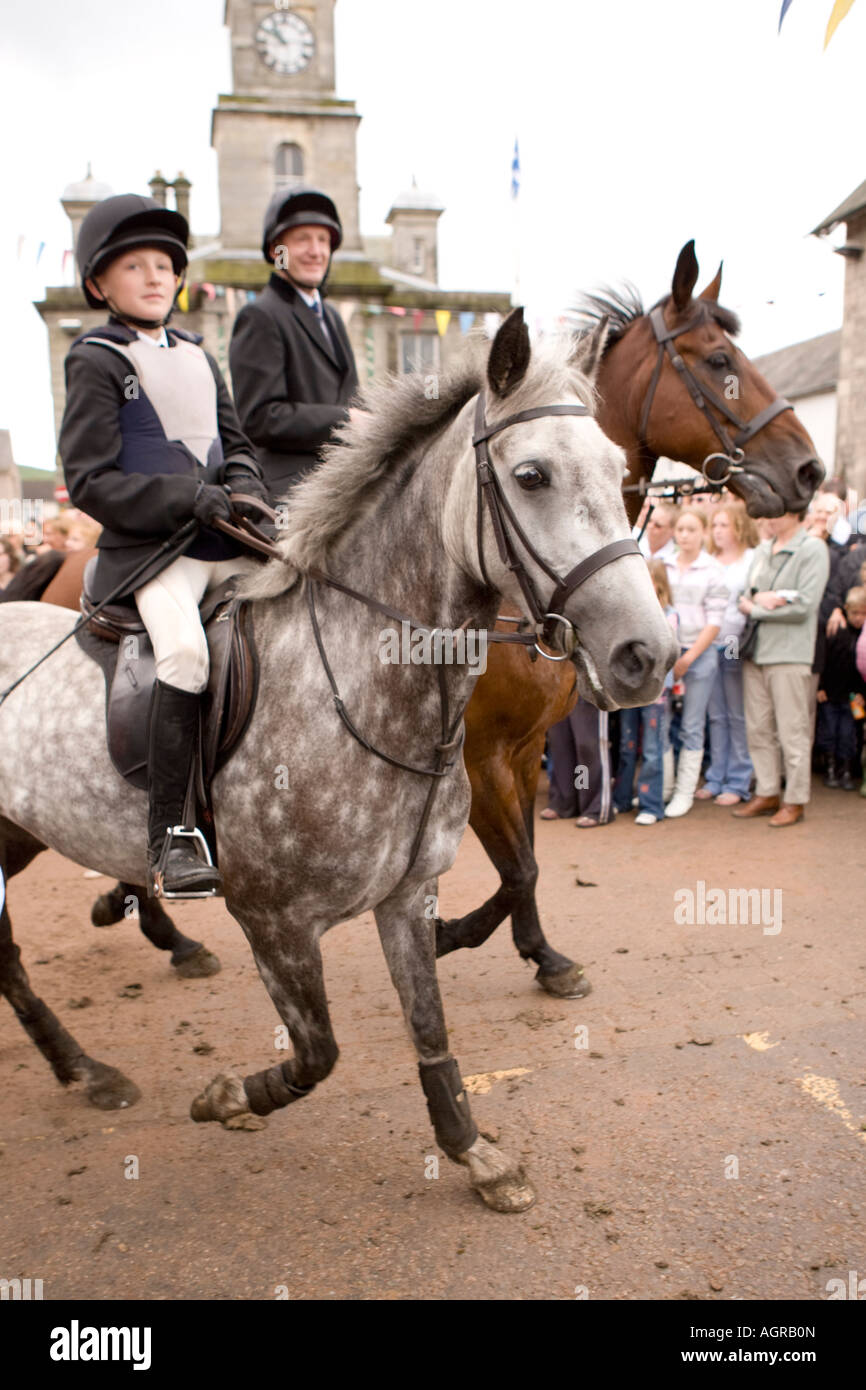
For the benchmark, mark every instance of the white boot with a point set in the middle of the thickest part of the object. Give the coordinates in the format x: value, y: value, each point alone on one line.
x: 688, y: 772
x: 668, y: 775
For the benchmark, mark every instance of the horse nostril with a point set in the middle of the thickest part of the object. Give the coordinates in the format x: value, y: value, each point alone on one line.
x: 810, y: 475
x: 631, y: 664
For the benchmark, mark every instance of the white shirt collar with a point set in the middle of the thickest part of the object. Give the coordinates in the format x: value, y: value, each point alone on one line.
x: 161, y: 341
x: 311, y: 299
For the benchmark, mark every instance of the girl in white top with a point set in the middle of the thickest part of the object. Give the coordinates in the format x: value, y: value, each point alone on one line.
x: 729, y: 776
x: 700, y: 598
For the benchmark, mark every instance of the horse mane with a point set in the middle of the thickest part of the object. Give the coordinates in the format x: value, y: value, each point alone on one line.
x: 362, y: 460
x: 623, y: 307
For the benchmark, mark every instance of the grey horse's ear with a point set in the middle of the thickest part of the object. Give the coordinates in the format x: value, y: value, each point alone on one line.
x: 588, y: 348
x: 509, y: 355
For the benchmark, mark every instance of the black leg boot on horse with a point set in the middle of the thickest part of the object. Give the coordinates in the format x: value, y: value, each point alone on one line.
x: 174, y: 866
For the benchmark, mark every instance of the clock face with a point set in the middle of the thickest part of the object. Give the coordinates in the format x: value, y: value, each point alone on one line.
x: 285, y: 42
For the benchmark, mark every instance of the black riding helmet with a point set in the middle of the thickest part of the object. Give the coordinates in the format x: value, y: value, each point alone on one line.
x: 300, y: 208
x: 116, y: 224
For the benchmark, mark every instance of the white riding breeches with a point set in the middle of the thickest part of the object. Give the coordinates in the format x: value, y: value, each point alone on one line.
x: 168, y: 606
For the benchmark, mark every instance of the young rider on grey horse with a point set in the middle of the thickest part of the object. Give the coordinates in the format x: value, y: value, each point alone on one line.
x: 150, y: 440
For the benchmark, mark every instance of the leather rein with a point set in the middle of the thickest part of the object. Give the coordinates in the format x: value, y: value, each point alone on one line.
x: 733, y: 454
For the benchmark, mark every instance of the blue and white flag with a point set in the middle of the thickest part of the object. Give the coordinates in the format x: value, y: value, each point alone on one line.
x: 515, y: 171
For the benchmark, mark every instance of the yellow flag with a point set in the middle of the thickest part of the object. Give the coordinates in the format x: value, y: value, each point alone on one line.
x: 443, y: 318
x: 840, y: 9
x: 183, y: 300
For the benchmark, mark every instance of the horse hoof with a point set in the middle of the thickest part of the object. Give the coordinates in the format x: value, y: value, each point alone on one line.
x: 500, y: 1183
x: 509, y: 1194
x: 108, y: 1089
x: 108, y: 909
x: 198, y: 966
x: 567, y: 984
x: 223, y: 1098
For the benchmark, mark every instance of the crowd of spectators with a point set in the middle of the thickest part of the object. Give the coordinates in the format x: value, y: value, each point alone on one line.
x: 770, y: 684
x: 26, y: 568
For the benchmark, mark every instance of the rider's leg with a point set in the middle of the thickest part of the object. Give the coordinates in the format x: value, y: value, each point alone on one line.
x: 169, y: 610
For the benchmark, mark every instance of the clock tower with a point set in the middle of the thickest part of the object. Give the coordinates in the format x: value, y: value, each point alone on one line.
x: 283, y: 123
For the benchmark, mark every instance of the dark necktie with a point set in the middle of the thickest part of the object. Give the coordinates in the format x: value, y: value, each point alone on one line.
x: 319, y: 311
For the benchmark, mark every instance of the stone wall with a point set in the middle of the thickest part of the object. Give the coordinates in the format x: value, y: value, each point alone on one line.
x: 246, y: 139
x: 851, y: 435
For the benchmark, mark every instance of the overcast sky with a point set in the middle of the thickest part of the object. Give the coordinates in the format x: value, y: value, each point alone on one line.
x: 642, y: 123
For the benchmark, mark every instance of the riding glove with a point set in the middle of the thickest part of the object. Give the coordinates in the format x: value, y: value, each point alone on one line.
x: 211, y: 504
x: 241, y: 480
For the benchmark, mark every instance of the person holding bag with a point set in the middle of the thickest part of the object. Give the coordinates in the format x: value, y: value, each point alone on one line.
x: 782, y: 598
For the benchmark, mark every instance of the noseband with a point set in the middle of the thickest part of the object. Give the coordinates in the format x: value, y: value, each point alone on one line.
x: 700, y: 393
x: 548, y: 616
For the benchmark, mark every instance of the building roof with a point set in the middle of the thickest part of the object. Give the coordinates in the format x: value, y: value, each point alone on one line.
x: 415, y: 199
x: 89, y: 190
x: 855, y: 202
x: 38, y: 484
x: 803, y: 369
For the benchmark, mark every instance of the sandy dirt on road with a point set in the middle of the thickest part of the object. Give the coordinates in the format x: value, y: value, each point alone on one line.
x: 694, y: 1127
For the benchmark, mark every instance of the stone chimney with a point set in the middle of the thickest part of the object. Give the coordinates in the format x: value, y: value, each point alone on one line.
x: 182, y: 187
x: 158, y: 186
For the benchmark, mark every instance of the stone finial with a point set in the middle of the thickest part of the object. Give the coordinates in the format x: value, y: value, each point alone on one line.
x: 158, y: 187
x: 182, y: 188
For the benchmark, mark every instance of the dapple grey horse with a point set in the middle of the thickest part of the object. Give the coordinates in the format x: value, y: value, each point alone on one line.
x: 307, y: 839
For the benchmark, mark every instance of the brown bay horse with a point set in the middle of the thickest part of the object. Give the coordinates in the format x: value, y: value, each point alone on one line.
x: 735, y: 430
x: 672, y: 383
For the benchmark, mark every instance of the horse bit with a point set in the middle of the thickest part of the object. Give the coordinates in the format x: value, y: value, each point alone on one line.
x: 700, y: 393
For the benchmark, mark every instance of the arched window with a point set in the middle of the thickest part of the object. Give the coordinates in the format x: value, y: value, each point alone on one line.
x: 288, y: 166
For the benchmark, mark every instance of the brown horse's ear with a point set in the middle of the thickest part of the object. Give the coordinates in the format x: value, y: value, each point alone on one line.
x: 714, y: 288
x: 588, y: 349
x: 685, y: 277
x: 509, y: 355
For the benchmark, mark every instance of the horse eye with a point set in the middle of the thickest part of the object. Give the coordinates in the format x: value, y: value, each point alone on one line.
x: 719, y: 359
x: 529, y: 477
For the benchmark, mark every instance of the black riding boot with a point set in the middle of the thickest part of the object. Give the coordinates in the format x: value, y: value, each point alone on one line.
x: 171, y: 742
x: 831, y: 776
x: 851, y: 776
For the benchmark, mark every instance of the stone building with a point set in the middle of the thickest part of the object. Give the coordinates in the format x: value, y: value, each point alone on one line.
x: 283, y: 124
x: 807, y: 374
x: 851, y: 389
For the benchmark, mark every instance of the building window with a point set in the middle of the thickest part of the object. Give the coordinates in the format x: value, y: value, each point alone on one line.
x: 418, y: 257
x: 288, y: 166
x: 419, y: 352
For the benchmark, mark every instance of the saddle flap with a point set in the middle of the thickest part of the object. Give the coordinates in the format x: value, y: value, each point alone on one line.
x: 232, y: 683
x: 130, y: 674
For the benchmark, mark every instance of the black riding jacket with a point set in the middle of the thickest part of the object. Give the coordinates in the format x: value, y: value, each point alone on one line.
x: 292, y: 385
x: 142, y: 429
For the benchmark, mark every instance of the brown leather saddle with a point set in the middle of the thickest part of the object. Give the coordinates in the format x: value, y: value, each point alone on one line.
x: 117, y: 639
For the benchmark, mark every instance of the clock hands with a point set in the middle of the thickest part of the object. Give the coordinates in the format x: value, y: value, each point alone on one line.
x: 295, y: 37
x: 270, y: 25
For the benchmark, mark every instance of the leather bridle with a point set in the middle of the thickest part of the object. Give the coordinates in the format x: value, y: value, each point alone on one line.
x: 733, y: 454
x: 489, y: 489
